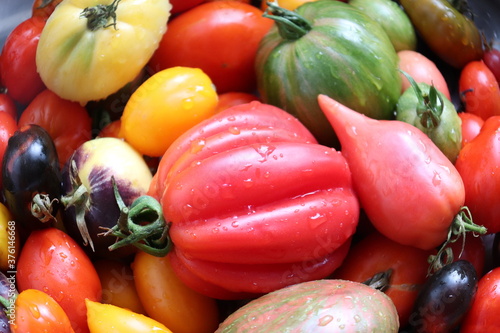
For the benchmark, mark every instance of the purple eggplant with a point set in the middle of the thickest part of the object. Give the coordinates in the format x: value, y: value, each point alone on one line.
x: 31, y: 177
x: 89, y: 180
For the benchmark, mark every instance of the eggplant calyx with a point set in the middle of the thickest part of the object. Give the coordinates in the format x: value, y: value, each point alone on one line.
x: 141, y: 225
x: 42, y: 207
x: 79, y: 198
x: 291, y: 26
x: 461, y: 225
x: 99, y: 15
x: 380, y: 281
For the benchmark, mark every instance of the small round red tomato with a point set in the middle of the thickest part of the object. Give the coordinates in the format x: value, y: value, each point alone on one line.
x: 232, y: 98
x: 377, y: 254
x: 225, y: 35
x: 483, y: 313
x: 479, y: 90
x: 471, y: 126
x: 68, y: 123
x: 37, y: 312
x: 17, y: 63
x: 52, y: 262
x: 8, y: 105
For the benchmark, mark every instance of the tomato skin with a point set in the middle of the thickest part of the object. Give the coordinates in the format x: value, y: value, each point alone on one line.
x: 17, y: 63
x: 483, y: 313
x: 180, y: 308
x: 44, y: 8
x: 8, y: 126
x: 229, y: 99
x: 225, y: 35
x: 179, y: 6
x: 471, y: 126
x: 52, y: 262
x: 375, y: 254
x: 68, y: 123
x: 36, y: 312
x: 477, y: 163
x: 8, y: 105
x: 479, y: 90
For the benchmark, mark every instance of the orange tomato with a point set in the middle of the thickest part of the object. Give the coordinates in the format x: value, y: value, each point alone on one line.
x: 229, y: 99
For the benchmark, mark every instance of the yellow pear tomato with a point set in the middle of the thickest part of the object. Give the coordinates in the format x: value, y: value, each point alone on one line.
x: 165, y: 106
x: 89, y: 49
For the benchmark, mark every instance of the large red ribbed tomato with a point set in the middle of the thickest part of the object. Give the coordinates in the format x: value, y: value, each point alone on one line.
x: 255, y: 203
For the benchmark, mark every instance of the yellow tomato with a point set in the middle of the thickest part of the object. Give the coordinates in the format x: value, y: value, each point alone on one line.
x: 84, y: 57
x: 107, y: 318
x: 9, y: 242
x: 168, y: 300
x: 287, y: 4
x: 165, y: 106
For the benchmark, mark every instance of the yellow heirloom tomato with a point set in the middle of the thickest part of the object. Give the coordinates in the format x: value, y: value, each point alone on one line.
x: 107, y: 318
x: 89, y: 49
x: 165, y: 106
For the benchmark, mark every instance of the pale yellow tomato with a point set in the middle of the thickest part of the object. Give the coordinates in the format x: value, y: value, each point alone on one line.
x: 84, y: 57
x: 165, y: 106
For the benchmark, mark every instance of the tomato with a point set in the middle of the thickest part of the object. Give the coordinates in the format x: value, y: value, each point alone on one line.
x: 477, y: 164
x: 43, y: 8
x: 230, y: 99
x: 483, y: 313
x: 52, y: 262
x: 111, y: 130
x: 107, y: 318
x: 68, y: 123
x: 8, y: 105
x: 479, y: 90
x: 118, y: 288
x: 38, y: 312
x: 377, y: 254
x: 17, y: 63
x: 9, y: 240
x: 473, y: 250
x: 421, y: 69
x: 179, y: 308
x: 471, y: 126
x: 8, y: 126
x: 166, y: 105
x: 287, y: 4
x: 107, y: 49
x: 491, y: 58
x: 225, y: 35
x: 179, y: 6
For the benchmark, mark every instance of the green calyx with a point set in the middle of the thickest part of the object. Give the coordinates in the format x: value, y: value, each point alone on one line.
x: 429, y: 106
x: 291, y: 25
x: 99, y: 15
x: 141, y: 225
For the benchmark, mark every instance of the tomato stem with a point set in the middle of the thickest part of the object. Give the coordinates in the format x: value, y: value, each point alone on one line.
x: 380, y: 281
x: 462, y: 223
x: 99, y: 15
x: 141, y: 225
x: 291, y: 25
x: 42, y: 207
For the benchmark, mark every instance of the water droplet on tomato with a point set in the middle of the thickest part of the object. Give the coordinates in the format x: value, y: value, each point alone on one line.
x: 187, y: 103
x: 323, y: 321
x: 234, y: 130
x: 436, y: 179
x: 35, y: 312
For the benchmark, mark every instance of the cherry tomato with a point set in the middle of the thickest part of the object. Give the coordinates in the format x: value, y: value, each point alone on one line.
x: 225, y: 35
x: 37, y: 312
x: 44, y: 8
x: 377, y: 254
x: 180, y: 308
x: 491, y: 58
x: 471, y: 126
x: 118, y: 288
x: 17, y: 63
x: 229, y: 99
x: 52, y: 262
x: 165, y: 106
x: 479, y: 90
x: 8, y: 105
x: 68, y: 123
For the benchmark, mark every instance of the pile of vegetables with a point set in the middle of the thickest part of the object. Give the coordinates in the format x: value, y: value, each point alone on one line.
x: 237, y: 165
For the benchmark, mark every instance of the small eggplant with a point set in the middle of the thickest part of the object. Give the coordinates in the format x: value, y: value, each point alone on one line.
x: 31, y: 178
x: 96, y: 169
x: 444, y: 299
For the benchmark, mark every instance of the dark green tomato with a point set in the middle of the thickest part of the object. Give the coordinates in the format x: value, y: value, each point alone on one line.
x: 444, y: 128
x: 32, y: 181
x: 338, y: 51
x: 393, y: 19
x: 445, y: 298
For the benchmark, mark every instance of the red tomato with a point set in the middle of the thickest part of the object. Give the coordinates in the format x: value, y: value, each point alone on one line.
x: 225, y: 35
x: 478, y: 164
x: 36, y: 311
x: 44, y: 8
x: 179, y: 6
x: 473, y: 250
x: 376, y: 254
x: 53, y: 262
x: 471, y: 126
x: 111, y: 130
x: 68, y: 123
x: 232, y: 98
x: 479, y: 90
x: 17, y: 63
x: 483, y: 313
x: 8, y: 126
x: 8, y: 105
